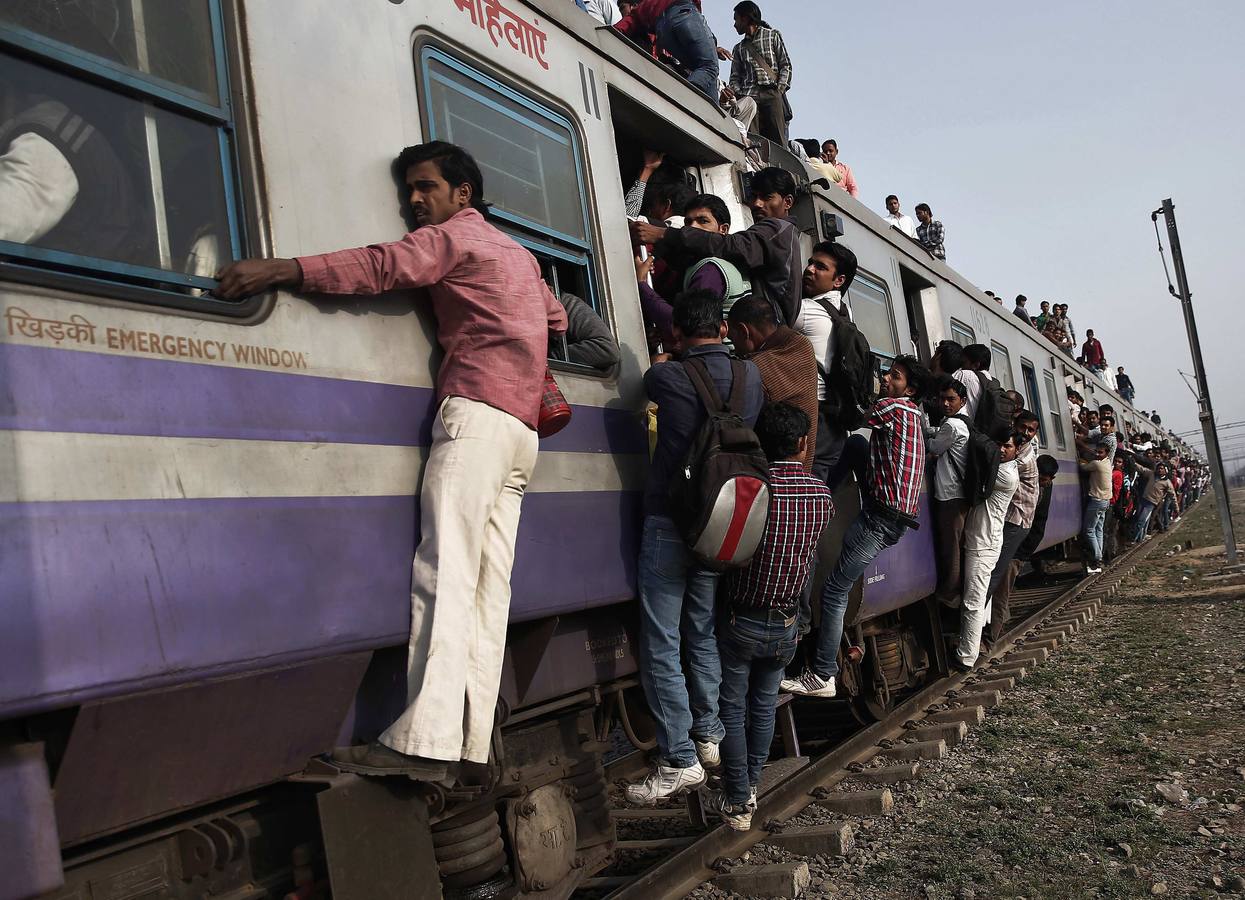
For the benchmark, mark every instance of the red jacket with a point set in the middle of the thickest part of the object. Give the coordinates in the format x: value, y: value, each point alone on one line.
x: 643, y: 19
x: 1092, y: 351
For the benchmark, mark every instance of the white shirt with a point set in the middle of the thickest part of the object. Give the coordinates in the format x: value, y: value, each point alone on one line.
x: 903, y: 223
x: 949, y: 444
x: 972, y: 387
x: 603, y: 11
x: 983, y: 529
x: 37, y: 187
x: 815, y: 324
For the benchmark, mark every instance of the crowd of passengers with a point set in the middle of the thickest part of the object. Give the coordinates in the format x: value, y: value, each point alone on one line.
x: 738, y: 318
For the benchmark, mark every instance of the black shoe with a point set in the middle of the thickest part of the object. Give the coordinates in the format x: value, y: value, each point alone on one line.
x: 958, y: 667
x: 377, y: 759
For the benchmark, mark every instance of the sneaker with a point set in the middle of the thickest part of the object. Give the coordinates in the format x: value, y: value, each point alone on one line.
x: 738, y: 818
x: 707, y: 752
x: 809, y: 684
x: 752, y: 798
x: 663, y: 782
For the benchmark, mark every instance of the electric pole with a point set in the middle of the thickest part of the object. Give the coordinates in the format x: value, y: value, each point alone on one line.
x: 1205, y: 413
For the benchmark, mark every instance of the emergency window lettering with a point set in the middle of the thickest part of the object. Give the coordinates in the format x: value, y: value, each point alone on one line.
x: 80, y: 330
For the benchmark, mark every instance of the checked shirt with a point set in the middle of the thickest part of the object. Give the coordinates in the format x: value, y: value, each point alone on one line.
x: 746, y: 76
x: 931, y: 236
x: 896, y: 455
x: 799, y: 509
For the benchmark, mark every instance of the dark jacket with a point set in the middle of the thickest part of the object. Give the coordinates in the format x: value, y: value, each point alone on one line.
x: 588, y: 341
x: 768, y: 252
x: 680, y: 414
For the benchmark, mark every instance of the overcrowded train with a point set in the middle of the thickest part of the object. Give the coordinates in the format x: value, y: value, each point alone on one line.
x: 208, y: 508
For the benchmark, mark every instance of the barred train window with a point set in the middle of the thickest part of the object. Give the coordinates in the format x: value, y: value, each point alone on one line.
x: 1001, y: 366
x: 531, y: 161
x: 116, y: 160
x: 1033, y: 398
x: 962, y: 334
x: 1056, y: 410
x: 873, y: 314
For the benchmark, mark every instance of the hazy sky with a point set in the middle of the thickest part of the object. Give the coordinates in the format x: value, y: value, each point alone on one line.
x: 1043, y: 135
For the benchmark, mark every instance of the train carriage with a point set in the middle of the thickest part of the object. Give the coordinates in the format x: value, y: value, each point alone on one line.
x: 208, y: 509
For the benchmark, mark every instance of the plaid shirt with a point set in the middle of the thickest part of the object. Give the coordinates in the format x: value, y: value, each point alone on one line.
x: 746, y: 76
x: 896, y: 455
x: 799, y: 509
x: 930, y: 237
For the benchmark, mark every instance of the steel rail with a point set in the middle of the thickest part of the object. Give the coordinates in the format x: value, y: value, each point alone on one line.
x: 684, y: 870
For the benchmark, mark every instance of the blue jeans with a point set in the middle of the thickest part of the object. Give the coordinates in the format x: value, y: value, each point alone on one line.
x: 676, y: 613
x: 871, y: 533
x: 1092, y: 527
x: 683, y: 32
x: 1143, y: 520
x: 756, y: 646
x: 1165, y: 510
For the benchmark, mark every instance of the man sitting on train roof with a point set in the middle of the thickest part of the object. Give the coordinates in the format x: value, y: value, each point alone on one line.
x: 683, y: 33
x: 889, y: 469
x: 494, y: 315
x: 830, y: 154
x: 768, y: 252
x: 930, y: 232
x: 897, y: 219
x: 678, y: 595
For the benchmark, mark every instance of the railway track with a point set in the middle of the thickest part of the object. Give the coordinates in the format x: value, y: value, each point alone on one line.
x: 668, y: 851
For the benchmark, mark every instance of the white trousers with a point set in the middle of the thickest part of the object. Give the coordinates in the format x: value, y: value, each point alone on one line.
x: 974, y: 608
x: 479, y: 466
x: 744, y: 111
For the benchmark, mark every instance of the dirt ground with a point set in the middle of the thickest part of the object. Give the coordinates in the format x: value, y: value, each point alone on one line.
x: 1060, y: 793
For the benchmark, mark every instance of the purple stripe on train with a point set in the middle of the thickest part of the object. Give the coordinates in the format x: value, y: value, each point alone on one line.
x: 46, y: 389
x: 108, y: 596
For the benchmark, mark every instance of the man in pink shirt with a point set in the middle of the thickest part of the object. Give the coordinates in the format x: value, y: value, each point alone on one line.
x: 830, y: 154
x: 494, y: 315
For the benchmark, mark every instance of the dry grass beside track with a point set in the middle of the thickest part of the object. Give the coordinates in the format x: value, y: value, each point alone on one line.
x: 1054, y: 795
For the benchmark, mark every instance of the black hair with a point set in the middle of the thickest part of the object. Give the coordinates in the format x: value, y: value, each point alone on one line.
x: 844, y: 261
x: 923, y: 206
x: 919, y: 377
x: 1016, y: 399
x: 712, y: 202
x: 666, y: 188
x: 951, y: 356
x: 890, y: 197
x: 753, y: 309
x: 978, y: 356
x: 1025, y: 415
x: 773, y: 180
x: 1021, y: 299
x: 811, y: 147
x: 830, y: 141
x: 779, y: 429
x: 1047, y: 465
x: 455, y: 164
x: 698, y: 314
x: 947, y: 383
x: 750, y: 11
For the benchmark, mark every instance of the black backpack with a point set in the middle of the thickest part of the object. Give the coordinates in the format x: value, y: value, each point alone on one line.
x: 719, y: 497
x: 851, y: 383
x: 981, y: 464
x: 994, y: 409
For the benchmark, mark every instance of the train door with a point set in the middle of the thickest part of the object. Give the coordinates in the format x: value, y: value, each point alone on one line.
x: 921, y: 302
x: 1033, y: 397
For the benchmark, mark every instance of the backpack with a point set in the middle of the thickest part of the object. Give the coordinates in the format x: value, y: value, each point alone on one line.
x: 736, y: 286
x: 850, y: 383
x: 981, y: 464
x: 719, y: 497
x: 994, y: 409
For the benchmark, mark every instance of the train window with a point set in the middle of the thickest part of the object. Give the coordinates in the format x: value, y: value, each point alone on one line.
x: 1056, y: 410
x: 531, y: 161
x: 1001, y: 366
x: 873, y: 314
x: 962, y: 334
x: 1033, y: 397
x: 118, y: 114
